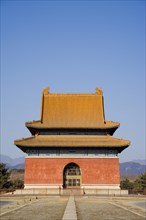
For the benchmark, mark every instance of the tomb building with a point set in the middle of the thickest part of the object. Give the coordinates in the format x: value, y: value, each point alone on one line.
x: 72, y: 145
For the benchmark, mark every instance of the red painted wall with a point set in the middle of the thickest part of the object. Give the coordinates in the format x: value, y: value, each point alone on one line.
x: 93, y: 170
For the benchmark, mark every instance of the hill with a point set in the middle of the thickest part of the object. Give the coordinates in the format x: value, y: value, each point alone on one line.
x: 16, y: 163
x: 132, y: 168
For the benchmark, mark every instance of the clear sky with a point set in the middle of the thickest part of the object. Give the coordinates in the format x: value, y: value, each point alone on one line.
x: 73, y: 47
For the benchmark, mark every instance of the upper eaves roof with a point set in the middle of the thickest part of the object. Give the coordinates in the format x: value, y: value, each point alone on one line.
x: 72, y: 111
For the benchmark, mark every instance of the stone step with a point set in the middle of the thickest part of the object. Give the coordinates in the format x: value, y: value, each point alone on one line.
x: 72, y: 192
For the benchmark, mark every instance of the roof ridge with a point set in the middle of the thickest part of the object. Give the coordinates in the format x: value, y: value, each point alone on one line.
x: 72, y: 94
x: 98, y: 91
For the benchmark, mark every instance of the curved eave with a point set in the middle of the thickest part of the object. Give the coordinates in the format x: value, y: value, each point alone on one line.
x: 109, y: 126
x: 72, y: 141
x: 119, y: 148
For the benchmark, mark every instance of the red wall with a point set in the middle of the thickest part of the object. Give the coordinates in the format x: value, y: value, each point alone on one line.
x: 93, y: 170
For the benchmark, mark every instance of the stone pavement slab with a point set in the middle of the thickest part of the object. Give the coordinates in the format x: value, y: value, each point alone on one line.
x: 70, y: 211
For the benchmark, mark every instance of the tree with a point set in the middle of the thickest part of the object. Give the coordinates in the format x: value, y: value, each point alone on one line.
x: 138, y: 186
x: 140, y: 183
x: 126, y: 184
x: 143, y: 181
x: 5, y: 181
x: 18, y: 184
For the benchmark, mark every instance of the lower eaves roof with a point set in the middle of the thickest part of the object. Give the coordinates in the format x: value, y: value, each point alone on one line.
x: 71, y: 141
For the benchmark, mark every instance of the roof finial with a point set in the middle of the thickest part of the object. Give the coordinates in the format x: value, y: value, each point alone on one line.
x: 98, y: 91
x: 46, y: 90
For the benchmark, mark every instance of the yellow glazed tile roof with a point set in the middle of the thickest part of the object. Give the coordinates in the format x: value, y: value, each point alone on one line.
x: 72, y: 141
x: 72, y: 111
x: 106, y: 125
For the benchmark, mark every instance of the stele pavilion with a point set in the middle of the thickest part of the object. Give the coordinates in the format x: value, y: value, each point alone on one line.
x: 72, y: 145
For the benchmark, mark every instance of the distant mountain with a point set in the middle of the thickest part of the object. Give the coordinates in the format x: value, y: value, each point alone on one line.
x: 18, y: 166
x: 142, y: 162
x: 132, y: 168
x: 16, y: 163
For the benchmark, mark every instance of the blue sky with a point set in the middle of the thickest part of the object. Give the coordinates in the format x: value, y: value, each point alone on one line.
x: 73, y: 47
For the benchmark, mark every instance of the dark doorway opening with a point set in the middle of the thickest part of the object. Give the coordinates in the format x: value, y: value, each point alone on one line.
x: 72, y: 176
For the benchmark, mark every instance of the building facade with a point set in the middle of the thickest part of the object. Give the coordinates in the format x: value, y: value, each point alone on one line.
x: 72, y: 145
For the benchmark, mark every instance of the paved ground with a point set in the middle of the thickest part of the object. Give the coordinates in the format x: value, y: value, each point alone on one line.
x: 139, y: 204
x: 41, y: 209
x: 87, y: 208
x: 94, y: 208
x: 3, y: 203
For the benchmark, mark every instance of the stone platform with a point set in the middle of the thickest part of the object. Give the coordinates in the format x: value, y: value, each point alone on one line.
x: 59, y: 191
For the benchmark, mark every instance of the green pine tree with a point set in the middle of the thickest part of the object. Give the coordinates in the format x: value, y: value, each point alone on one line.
x: 126, y: 184
x: 5, y: 181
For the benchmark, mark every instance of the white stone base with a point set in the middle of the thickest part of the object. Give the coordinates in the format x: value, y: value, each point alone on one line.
x: 37, y: 191
x: 85, y: 189
x: 42, y: 186
x: 111, y: 192
x: 83, y: 186
x: 79, y: 191
x: 100, y: 186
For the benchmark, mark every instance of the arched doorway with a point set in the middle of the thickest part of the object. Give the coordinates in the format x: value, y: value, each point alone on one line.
x: 71, y: 176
